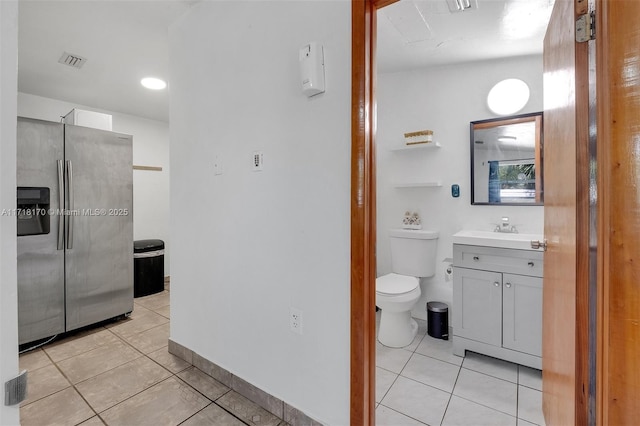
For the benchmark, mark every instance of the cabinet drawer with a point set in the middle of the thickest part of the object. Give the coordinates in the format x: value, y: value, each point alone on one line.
x: 523, y: 262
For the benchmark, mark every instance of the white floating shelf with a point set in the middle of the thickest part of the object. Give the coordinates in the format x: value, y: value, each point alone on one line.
x: 417, y: 184
x: 430, y: 145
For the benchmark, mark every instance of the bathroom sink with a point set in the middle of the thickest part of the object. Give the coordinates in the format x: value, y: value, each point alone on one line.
x: 496, y: 239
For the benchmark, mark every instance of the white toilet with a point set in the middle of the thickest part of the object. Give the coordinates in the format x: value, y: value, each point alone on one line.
x: 413, y: 255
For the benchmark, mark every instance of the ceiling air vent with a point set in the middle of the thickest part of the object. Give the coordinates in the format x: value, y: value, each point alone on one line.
x: 461, y: 5
x: 72, y: 60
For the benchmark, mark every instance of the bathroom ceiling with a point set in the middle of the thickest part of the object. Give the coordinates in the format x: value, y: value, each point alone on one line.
x: 424, y: 33
x: 126, y: 40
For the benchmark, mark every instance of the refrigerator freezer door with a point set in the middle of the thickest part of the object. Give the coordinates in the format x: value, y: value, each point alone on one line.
x: 99, y: 255
x: 40, y: 263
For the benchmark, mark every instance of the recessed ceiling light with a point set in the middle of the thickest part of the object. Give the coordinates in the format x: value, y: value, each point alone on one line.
x: 508, y: 96
x: 153, y: 83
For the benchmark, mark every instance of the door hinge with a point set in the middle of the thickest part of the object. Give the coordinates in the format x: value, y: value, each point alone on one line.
x: 586, y: 27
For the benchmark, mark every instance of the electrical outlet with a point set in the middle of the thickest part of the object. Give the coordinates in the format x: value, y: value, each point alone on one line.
x: 257, y: 161
x: 295, y: 320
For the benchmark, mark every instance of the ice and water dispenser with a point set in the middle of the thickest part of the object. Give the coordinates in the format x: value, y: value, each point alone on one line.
x: 33, y: 211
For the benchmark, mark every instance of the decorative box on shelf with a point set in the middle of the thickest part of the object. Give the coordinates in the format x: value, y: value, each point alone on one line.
x: 420, y: 137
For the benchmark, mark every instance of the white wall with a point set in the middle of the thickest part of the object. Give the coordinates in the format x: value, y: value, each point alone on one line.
x: 445, y: 100
x: 8, y: 287
x: 150, y: 148
x: 248, y: 245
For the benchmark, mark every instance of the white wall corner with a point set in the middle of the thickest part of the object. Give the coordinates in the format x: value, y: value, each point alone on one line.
x: 8, y: 272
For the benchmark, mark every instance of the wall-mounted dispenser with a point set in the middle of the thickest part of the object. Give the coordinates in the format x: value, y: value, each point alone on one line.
x: 33, y: 211
x: 312, y: 69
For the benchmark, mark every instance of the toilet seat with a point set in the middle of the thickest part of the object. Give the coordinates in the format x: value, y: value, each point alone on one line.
x: 396, y: 284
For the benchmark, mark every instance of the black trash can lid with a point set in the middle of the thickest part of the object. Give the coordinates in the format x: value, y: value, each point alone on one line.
x: 142, y: 246
x: 437, y: 307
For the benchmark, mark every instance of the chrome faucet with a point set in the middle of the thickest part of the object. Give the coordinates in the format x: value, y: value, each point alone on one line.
x: 505, y: 227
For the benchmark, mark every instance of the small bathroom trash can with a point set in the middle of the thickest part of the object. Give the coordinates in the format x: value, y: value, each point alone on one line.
x: 438, y: 320
x: 148, y: 267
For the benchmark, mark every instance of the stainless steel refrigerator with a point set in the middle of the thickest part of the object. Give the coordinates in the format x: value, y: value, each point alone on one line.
x: 75, y: 227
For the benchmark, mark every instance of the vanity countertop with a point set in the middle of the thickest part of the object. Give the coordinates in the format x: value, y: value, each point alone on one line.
x: 496, y: 239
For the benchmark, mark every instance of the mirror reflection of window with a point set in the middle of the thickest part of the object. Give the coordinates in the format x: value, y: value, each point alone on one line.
x: 506, y: 156
x: 512, y: 181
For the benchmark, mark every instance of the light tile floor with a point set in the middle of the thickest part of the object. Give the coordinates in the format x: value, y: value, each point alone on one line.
x: 123, y: 374
x: 425, y: 384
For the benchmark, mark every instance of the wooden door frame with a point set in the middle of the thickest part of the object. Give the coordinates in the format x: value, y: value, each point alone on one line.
x: 363, y: 216
x: 618, y: 316
x: 363, y: 210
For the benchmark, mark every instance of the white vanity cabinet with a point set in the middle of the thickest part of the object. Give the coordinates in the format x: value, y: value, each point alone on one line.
x: 497, y: 300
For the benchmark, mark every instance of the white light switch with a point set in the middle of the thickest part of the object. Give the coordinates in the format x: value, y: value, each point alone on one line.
x: 217, y: 165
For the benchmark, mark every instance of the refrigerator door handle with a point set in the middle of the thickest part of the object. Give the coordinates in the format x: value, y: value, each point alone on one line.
x: 70, y: 211
x: 60, y: 209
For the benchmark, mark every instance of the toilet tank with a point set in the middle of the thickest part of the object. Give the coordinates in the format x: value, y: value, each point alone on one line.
x: 413, y: 252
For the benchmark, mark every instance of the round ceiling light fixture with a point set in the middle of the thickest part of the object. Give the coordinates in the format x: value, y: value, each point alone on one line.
x: 508, y: 96
x: 153, y: 83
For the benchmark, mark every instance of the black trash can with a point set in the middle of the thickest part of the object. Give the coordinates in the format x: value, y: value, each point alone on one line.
x: 148, y: 267
x: 438, y: 320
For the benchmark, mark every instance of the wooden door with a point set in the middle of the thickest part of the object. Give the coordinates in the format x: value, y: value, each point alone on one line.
x: 618, y: 68
x: 566, y: 197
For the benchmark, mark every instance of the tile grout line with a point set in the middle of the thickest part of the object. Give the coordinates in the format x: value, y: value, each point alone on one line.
x: 172, y: 374
x: 397, y: 374
x: 497, y: 378
x: 516, y: 382
x: 486, y: 406
x: 111, y: 369
x: 438, y: 359
x: 71, y: 385
x: 455, y: 382
x: 396, y: 379
x: 517, y: 393
x: 125, y: 400
x: 89, y: 378
x: 489, y: 375
x: 385, y: 394
x: 404, y: 414
x: 136, y: 349
x: 213, y: 403
x: 131, y: 396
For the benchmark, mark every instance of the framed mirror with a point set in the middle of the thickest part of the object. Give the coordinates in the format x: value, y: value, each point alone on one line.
x: 506, y: 161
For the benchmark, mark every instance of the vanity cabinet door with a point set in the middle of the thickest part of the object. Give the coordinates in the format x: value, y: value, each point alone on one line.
x: 522, y: 313
x: 477, y: 297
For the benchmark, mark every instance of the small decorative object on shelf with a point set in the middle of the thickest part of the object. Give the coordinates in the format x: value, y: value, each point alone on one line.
x: 414, y: 138
x: 411, y: 221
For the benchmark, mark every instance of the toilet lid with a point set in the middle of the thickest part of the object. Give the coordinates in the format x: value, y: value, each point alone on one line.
x: 396, y: 284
